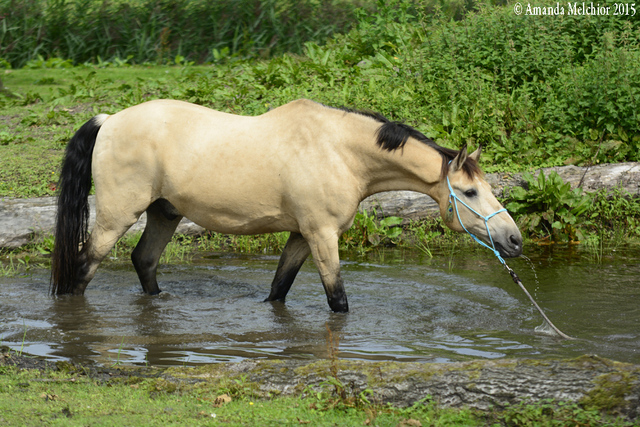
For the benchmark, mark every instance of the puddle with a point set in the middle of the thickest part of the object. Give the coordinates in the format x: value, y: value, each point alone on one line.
x: 404, y: 307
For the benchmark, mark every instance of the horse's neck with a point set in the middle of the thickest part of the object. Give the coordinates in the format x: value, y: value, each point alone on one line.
x: 415, y: 167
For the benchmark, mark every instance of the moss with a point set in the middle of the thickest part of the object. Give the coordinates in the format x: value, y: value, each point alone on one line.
x: 215, y: 370
x: 162, y: 386
x: 320, y: 368
x: 609, y: 392
x: 65, y: 367
x: 588, y: 361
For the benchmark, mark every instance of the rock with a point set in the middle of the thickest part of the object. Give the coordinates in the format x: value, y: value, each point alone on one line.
x: 479, y: 384
x: 23, y: 220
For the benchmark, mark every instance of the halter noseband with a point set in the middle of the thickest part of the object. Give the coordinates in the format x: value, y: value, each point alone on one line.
x: 452, y: 195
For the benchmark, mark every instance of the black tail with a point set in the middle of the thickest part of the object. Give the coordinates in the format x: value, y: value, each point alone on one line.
x: 72, y: 219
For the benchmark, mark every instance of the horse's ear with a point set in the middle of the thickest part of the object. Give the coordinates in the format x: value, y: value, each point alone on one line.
x: 476, y: 154
x: 456, y: 164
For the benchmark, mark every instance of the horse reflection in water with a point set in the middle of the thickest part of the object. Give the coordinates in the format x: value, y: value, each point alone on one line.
x: 303, y: 168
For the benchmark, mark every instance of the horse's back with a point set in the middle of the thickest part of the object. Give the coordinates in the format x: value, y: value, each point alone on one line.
x: 249, y: 173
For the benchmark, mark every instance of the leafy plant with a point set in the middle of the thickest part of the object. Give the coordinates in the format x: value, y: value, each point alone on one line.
x: 6, y: 138
x: 616, y: 211
x: 15, y: 266
x: 552, y: 413
x: 548, y: 207
x: 368, y: 231
x: 53, y: 62
x: 240, y: 388
x: 177, y: 250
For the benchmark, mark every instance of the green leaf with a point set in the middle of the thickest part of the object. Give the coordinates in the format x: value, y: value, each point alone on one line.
x: 518, y: 193
x: 541, y: 180
x: 391, y: 221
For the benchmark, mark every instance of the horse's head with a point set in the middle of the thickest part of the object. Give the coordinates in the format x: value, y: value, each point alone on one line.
x: 467, y: 204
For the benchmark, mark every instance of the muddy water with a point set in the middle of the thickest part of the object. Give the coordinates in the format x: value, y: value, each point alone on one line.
x: 404, y: 306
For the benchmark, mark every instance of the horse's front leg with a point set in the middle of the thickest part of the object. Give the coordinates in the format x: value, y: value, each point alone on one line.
x: 293, y: 256
x: 324, y: 247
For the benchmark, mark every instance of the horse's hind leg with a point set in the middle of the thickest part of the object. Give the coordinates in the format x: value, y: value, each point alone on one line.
x: 104, y: 236
x: 293, y: 256
x: 162, y: 221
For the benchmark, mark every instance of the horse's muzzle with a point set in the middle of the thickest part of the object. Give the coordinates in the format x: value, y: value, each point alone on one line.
x: 511, y: 247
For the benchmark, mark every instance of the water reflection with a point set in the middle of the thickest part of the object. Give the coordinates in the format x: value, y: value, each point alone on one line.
x: 403, y: 307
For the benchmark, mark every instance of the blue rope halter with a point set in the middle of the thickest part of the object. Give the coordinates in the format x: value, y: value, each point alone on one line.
x: 452, y: 195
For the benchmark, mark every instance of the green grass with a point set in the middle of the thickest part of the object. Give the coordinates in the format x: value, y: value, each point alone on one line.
x: 533, y: 92
x: 46, y: 81
x: 70, y: 397
x: 54, y: 398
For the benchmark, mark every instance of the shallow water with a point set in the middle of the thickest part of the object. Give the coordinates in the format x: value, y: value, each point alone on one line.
x: 456, y: 306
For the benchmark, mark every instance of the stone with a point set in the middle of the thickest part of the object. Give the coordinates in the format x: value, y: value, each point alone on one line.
x: 478, y: 384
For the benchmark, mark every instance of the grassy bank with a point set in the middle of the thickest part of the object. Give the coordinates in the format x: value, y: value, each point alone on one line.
x: 33, y: 392
x: 534, y: 91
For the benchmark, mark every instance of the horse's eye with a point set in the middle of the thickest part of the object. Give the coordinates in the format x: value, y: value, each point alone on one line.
x: 471, y: 193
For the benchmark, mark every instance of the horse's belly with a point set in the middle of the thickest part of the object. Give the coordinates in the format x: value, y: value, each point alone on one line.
x: 236, y: 220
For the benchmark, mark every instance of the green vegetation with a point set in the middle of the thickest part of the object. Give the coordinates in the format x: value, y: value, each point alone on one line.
x: 549, y: 209
x: 549, y: 206
x: 535, y: 91
x: 141, y: 31
x: 65, y: 394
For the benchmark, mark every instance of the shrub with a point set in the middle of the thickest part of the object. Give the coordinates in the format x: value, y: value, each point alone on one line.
x: 550, y: 208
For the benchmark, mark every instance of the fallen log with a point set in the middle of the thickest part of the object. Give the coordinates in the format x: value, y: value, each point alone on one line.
x: 23, y: 220
x: 411, y: 205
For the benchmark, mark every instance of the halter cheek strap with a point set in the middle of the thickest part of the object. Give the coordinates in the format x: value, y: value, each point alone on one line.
x: 452, y: 195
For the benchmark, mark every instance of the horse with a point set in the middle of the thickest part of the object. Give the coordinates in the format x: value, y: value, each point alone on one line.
x: 302, y: 167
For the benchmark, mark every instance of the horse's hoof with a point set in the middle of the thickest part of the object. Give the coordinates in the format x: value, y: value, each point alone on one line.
x: 339, y: 306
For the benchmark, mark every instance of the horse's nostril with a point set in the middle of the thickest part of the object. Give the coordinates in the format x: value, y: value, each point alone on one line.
x: 514, y: 240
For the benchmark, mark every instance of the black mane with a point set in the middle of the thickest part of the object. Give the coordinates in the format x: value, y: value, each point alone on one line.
x: 392, y: 135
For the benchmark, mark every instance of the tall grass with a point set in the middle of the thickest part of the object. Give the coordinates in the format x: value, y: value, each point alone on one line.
x: 160, y: 30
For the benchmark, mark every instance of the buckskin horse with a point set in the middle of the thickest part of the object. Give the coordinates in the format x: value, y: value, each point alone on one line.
x: 302, y: 168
